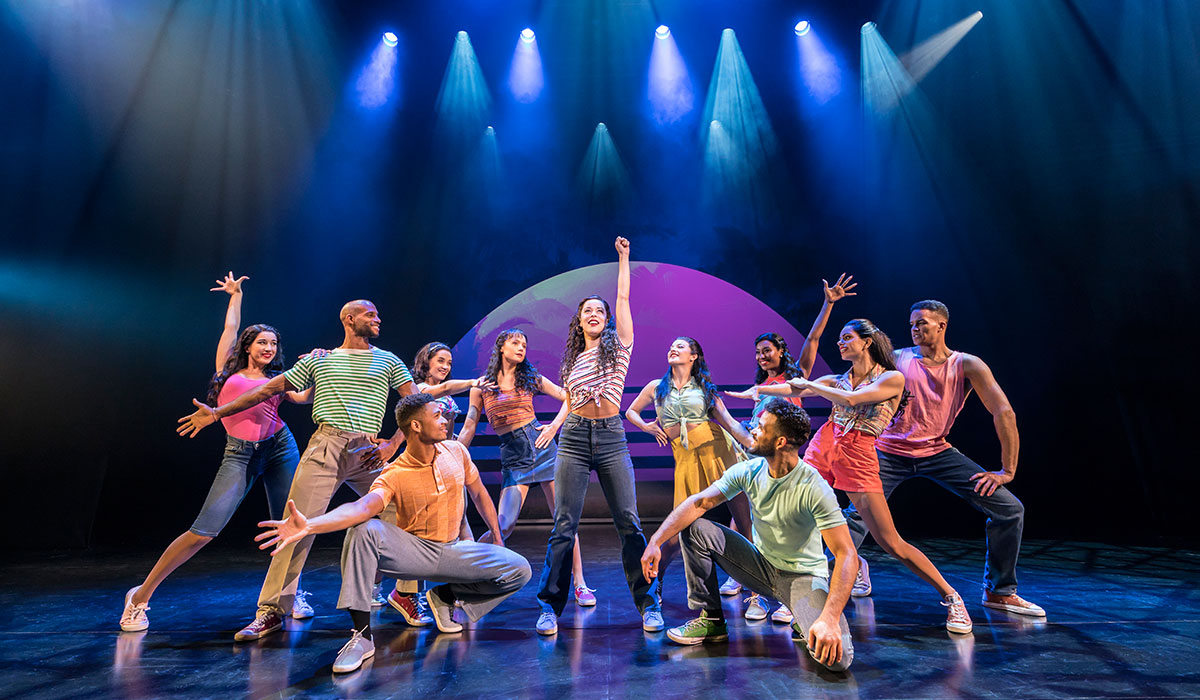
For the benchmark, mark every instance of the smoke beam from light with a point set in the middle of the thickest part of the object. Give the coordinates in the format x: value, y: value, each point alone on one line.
x: 602, y: 175
x: 525, y: 78
x: 818, y: 68
x: 670, y: 88
x: 376, y: 83
x: 884, y: 80
x: 925, y: 56
x: 463, y: 102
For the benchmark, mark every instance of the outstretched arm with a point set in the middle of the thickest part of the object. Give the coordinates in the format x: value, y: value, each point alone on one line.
x: 449, y: 387
x: 721, y: 415
x: 634, y: 414
x: 684, y: 514
x: 889, y: 386
x: 483, y: 504
x: 1005, y: 420
x: 808, y: 353
x: 281, y: 533
x: 624, y: 318
x: 474, y: 408
x: 206, y: 415
x: 233, y: 316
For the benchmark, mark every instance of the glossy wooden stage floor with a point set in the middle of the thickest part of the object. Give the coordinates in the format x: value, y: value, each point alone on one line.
x: 1122, y: 622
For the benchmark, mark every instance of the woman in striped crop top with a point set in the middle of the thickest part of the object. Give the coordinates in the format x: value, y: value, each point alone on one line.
x: 506, y: 397
x: 257, y: 443
x: 594, y: 364
x: 865, y: 399
x: 690, y: 417
x: 431, y: 371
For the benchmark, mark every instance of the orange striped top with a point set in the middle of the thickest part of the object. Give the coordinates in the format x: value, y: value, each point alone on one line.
x: 429, y: 497
x: 508, y: 409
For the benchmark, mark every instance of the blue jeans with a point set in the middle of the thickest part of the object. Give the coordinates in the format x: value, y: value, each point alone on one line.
x: 586, y: 444
x: 952, y: 470
x: 275, y: 459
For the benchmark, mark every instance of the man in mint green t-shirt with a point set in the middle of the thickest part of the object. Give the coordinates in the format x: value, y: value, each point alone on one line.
x: 794, y: 511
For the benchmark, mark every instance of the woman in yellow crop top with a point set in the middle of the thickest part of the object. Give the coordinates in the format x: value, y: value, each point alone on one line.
x: 690, y: 418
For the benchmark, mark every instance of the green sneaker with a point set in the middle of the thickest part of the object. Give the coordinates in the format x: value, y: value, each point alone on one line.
x: 699, y: 630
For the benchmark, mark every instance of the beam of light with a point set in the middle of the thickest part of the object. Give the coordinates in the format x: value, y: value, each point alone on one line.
x: 602, y: 175
x: 818, y: 68
x: 803, y: 27
x: 740, y: 145
x: 463, y: 101
x: 525, y: 78
x: 923, y: 57
x: 492, y: 188
x: 377, y: 82
x: 670, y: 87
x: 884, y: 80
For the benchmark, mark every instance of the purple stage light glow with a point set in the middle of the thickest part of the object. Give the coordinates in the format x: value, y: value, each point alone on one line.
x: 525, y: 78
x: 818, y: 68
x: 376, y: 83
x: 670, y: 87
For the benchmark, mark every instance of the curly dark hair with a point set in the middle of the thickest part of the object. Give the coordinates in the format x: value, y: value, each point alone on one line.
x: 699, y: 372
x: 881, y: 352
x: 408, y: 406
x: 528, y: 379
x: 239, y: 359
x: 609, y: 342
x: 787, y: 364
x: 792, y: 421
x: 420, y: 365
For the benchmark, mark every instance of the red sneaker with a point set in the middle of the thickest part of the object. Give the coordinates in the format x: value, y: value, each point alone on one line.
x: 1012, y: 603
x: 409, y: 606
x: 267, y: 622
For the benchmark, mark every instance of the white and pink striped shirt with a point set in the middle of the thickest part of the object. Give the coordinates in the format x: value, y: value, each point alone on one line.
x: 587, y: 383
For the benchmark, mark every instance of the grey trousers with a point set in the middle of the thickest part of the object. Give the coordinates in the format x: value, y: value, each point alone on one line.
x: 705, y: 543
x: 480, y: 575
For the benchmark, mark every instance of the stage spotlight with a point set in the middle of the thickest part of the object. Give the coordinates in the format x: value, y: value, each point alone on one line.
x: 390, y: 39
x: 601, y: 127
x: 802, y: 27
x: 662, y: 32
x: 527, y: 35
x: 491, y: 130
x: 868, y: 28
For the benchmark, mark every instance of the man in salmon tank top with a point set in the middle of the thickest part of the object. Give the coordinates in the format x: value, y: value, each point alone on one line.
x: 940, y: 380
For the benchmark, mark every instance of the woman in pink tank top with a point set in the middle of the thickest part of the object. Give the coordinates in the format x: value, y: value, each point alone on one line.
x: 865, y: 399
x: 257, y: 443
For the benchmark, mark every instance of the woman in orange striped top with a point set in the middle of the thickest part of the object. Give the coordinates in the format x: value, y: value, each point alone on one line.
x: 506, y: 397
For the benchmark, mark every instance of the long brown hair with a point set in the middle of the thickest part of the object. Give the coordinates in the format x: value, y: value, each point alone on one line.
x: 526, y: 376
x: 576, y: 341
x: 239, y: 359
x: 880, y: 351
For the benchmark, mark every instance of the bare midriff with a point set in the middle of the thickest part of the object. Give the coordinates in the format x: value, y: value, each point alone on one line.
x: 596, y: 411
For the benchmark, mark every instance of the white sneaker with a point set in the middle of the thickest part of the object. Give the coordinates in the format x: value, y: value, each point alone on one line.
x: 652, y: 621
x: 547, y: 624
x: 958, y: 620
x: 356, y: 651
x: 442, y: 613
x: 730, y: 587
x: 301, y: 609
x: 134, y: 618
x: 862, y: 580
x: 782, y: 614
x: 379, y: 599
x: 756, y: 609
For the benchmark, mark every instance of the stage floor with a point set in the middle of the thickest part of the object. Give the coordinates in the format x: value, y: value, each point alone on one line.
x: 1122, y: 622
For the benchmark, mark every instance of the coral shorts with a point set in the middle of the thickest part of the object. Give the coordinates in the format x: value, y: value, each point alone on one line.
x: 846, y: 458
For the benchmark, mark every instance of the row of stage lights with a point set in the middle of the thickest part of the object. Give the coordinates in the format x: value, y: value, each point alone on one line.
x: 802, y: 27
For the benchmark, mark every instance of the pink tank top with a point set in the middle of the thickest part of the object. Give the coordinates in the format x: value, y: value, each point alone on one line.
x: 256, y: 423
x: 937, y: 394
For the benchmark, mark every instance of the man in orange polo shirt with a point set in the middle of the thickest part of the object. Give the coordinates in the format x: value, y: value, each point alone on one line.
x: 426, y: 484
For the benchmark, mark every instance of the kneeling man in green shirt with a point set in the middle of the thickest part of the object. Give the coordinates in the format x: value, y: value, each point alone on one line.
x: 793, y: 511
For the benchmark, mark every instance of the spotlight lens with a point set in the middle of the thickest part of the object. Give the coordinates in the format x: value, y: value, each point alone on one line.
x: 802, y: 27
x: 662, y: 32
x: 868, y: 28
x: 390, y: 39
x: 527, y: 35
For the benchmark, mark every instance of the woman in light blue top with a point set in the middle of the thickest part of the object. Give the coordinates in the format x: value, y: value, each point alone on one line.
x: 690, y: 417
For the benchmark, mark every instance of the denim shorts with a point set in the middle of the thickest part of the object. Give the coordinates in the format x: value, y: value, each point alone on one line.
x: 521, y: 463
x: 274, y: 458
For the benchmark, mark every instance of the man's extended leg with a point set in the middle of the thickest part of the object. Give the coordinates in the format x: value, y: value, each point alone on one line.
x: 806, y: 595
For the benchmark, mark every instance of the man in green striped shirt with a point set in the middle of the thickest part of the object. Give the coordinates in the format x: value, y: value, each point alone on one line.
x: 350, y: 394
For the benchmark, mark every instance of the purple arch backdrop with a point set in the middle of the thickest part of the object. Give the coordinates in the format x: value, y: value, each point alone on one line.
x: 667, y: 301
